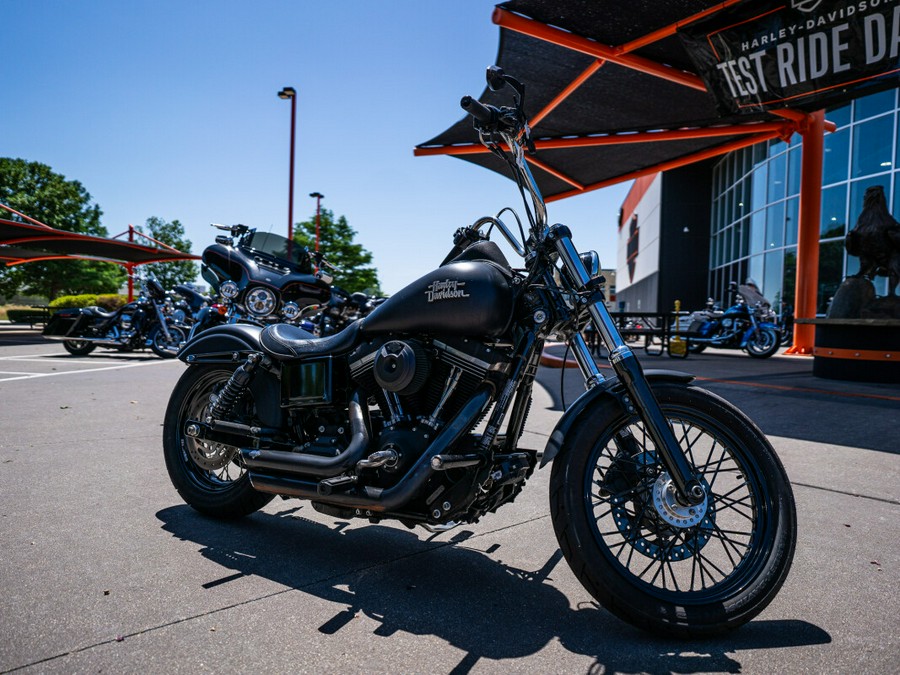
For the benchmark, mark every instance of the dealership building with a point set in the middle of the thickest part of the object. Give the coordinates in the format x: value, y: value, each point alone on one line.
x: 685, y: 234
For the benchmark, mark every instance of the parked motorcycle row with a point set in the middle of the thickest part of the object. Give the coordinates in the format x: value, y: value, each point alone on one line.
x: 256, y: 278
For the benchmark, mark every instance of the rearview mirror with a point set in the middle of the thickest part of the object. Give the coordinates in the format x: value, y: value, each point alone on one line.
x: 495, y: 78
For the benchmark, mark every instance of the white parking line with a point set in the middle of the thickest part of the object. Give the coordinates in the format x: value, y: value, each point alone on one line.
x: 86, y: 370
x: 13, y: 372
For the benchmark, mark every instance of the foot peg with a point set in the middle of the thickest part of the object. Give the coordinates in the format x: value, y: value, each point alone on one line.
x: 335, y: 484
x: 447, y: 462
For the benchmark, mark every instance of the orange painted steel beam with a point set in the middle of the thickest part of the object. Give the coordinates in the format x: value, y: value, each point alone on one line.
x: 21, y: 261
x: 669, y: 30
x: 565, y: 93
x: 671, y: 164
x: 808, y: 234
x: 557, y: 36
x: 784, y: 129
x: 556, y: 172
x: 22, y: 215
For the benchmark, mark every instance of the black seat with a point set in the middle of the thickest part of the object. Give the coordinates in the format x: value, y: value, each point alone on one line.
x: 93, y: 310
x: 283, y: 341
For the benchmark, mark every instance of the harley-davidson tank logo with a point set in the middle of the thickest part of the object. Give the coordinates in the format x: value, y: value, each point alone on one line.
x: 448, y: 289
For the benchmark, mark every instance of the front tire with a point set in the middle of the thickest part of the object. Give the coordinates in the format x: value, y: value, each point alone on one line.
x: 167, y: 348
x: 687, y: 572
x: 763, y: 343
x: 209, y: 476
x: 79, y: 347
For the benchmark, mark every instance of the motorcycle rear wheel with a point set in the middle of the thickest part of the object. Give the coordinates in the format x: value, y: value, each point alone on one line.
x: 763, y: 343
x: 79, y: 347
x: 209, y: 477
x: 652, y: 562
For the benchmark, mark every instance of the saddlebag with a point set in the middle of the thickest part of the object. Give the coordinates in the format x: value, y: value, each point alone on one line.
x: 66, y: 322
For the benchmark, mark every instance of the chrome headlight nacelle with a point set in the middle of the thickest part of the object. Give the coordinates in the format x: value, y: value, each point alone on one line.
x: 261, y: 301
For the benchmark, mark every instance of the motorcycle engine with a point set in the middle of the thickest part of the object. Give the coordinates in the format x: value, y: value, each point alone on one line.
x: 420, y: 384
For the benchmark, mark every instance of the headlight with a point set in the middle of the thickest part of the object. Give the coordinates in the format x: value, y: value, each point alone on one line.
x: 260, y: 301
x: 290, y: 311
x: 229, y: 290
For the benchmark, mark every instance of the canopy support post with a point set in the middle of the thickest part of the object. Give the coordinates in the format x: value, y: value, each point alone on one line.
x: 129, y: 268
x: 807, y: 284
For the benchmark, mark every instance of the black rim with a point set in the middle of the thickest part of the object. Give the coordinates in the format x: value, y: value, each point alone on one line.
x: 669, y: 551
x: 213, y: 467
x: 762, y: 342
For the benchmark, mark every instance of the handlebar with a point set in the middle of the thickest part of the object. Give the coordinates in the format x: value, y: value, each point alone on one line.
x: 482, y: 113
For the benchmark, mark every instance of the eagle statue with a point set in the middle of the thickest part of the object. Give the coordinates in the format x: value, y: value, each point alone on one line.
x: 876, y: 239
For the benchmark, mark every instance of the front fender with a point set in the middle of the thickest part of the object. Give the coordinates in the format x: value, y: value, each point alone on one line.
x: 611, y: 388
x: 220, y: 343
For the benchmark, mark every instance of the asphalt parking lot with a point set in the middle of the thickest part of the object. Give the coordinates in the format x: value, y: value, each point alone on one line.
x: 103, y: 568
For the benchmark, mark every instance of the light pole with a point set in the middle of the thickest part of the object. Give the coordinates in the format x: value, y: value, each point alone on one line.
x: 291, y: 93
x: 319, y: 197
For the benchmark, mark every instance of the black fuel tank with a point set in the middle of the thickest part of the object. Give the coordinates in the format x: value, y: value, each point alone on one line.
x: 463, y: 298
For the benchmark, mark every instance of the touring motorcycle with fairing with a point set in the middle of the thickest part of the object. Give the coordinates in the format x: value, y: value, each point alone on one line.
x: 669, y: 504
x: 262, y: 277
x: 141, y: 323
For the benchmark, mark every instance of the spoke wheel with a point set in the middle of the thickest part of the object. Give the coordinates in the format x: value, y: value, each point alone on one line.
x: 209, y: 476
x: 664, y: 566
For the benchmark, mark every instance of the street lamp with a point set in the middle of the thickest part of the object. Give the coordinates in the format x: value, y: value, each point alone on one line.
x: 319, y: 197
x: 291, y: 93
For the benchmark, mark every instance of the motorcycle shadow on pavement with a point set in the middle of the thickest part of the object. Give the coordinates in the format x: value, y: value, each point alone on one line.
x: 456, y: 588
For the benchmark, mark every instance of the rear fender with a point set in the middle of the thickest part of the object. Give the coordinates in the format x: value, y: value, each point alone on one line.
x: 610, y: 389
x: 231, y: 343
x: 220, y: 344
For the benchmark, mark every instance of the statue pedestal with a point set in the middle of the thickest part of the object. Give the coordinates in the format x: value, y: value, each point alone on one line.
x: 863, y: 350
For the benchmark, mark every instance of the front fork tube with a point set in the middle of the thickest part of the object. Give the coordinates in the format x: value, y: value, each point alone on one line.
x: 162, y: 321
x: 639, y: 398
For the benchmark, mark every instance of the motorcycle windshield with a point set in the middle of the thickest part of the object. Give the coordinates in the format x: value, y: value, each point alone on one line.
x: 277, y: 246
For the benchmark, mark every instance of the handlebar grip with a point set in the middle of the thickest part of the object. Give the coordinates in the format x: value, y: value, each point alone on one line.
x: 478, y: 110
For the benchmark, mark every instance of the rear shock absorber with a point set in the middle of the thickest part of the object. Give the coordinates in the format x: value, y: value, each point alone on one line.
x: 234, y: 389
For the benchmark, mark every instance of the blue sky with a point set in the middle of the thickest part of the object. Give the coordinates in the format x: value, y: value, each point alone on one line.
x: 168, y: 108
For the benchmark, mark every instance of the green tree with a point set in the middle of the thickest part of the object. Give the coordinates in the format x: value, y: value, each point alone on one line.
x: 336, y: 243
x: 172, y: 233
x: 35, y: 190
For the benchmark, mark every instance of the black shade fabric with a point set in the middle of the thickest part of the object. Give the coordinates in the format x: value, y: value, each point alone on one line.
x: 20, y: 242
x: 613, y: 100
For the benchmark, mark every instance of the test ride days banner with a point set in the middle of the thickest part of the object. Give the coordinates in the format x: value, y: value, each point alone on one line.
x: 807, y: 54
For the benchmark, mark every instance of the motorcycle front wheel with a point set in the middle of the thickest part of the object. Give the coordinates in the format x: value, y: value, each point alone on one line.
x: 686, y: 571
x: 164, y: 347
x: 79, y: 347
x: 763, y: 343
x: 209, y: 476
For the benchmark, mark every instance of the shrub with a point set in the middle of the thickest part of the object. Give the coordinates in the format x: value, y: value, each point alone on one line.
x: 108, y: 302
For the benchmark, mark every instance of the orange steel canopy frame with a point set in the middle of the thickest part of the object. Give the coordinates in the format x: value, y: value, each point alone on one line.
x: 728, y: 135
x: 42, y: 243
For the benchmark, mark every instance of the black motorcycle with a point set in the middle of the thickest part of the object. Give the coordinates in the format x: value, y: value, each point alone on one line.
x: 144, y: 322
x: 669, y: 504
x: 341, y: 310
x: 262, y: 278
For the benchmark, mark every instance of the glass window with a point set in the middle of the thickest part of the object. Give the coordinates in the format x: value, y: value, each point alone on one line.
x: 834, y: 210
x: 775, y: 226
x: 745, y: 238
x: 785, y: 303
x: 867, y: 106
x: 793, y: 186
x: 840, y: 116
x: 895, y: 210
x: 858, y: 191
x: 776, y: 145
x: 726, y: 247
x: 831, y: 268
x: 771, y: 283
x: 791, y: 221
x: 755, y: 271
x: 757, y: 232
x: 873, y: 144
x: 837, y: 150
x: 777, y: 178
x: 758, y: 186
x: 759, y: 153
